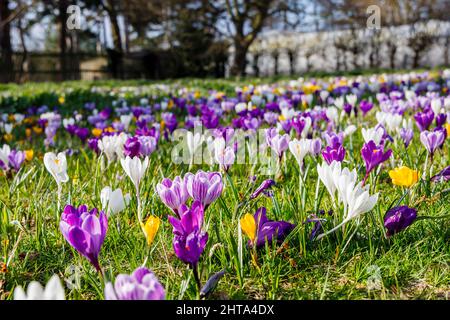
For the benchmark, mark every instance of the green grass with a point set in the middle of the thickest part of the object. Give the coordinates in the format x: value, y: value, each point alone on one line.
x: 413, y: 264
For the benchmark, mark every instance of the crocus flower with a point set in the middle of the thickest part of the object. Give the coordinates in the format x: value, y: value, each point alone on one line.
x: 315, y: 146
x: 150, y: 228
x: 205, y: 187
x: 331, y: 154
x: 404, y: 176
x: 373, y: 155
x: 299, y: 149
x: 189, y: 240
x: 248, y: 226
x: 85, y: 231
x: 279, y: 144
x: 444, y: 175
x: 57, y: 166
x: 16, y: 158
x: 132, y: 147
x: 173, y: 193
x: 432, y: 140
x: 113, y: 201
x: 135, y: 169
x: 406, y: 135
x: 82, y: 133
x: 265, y: 229
x: 266, y: 184
x: 224, y: 155
x: 365, y: 106
x: 29, y: 154
x: 424, y: 120
x: 142, y: 284
x: 398, y: 219
x: 53, y: 291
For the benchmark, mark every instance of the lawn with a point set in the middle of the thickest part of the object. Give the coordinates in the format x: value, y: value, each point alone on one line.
x: 359, y: 260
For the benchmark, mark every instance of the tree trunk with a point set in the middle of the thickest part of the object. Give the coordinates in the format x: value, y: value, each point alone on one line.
x: 6, y: 62
x: 291, y: 56
x: 392, y: 53
x: 63, y: 39
x: 239, y: 60
x: 275, y: 57
x: 256, y: 64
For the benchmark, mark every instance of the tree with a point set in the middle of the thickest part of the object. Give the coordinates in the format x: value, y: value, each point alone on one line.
x: 245, y: 19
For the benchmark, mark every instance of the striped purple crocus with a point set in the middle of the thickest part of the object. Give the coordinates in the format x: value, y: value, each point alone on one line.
x: 85, y: 231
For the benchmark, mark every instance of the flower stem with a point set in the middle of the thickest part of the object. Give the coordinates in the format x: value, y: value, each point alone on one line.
x: 196, y: 277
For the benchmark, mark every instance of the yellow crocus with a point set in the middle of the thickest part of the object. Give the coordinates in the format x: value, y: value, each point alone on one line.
x: 37, y: 130
x: 28, y: 132
x: 8, y: 137
x: 150, y: 228
x: 29, y: 154
x: 96, y: 132
x: 447, y: 126
x: 248, y: 225
x: 404, y: 176
x: 61, y: 99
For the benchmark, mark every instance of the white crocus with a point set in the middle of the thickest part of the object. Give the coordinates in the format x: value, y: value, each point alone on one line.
x: 332, y: 114
x: 68, y: 122
x: 135, y: 169
x: 374, y: 134
x: 194, y: 141
x: 57, y: 166
x: 113, y: 201
x: 299, y: 149
x: 339, y: 102
x: 18, y: 117
x: 393, y: 121
x: 112, y: 146
x: 358, y: 201
x: 8, y: 128
x: 349, y: 130
x: 436, y: 106
x: 351, y: 99
x: 4, y: 153
x: 53, y: 291
x: 126, y: 120
x: 344, y: 183
x: 327, y: 173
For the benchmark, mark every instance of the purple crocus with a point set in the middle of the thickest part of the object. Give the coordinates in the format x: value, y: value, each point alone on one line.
x: 170, y: 121
x: 315, y: 146
x: 334, y: 140
x: 441, y: 119
x: 398, y: 219
x: 205, y: 187
x: 268, y: 230
x: 15, y: 159
x: 365, y: 106
x: 444, y: 175
x: 266, y: 184
x: 406, y: 135
x: 85, y: 231
x: 189, y: 240
x: 132, y: 147
x: 82, y: 133
x: 432, y: 140
x: 142, y: 284
x: 93, y: 144
x: 279, y: 144
x: 334, y: 154
x: 424, y: 119
x: 173, y: 193
x: 373, y: 155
